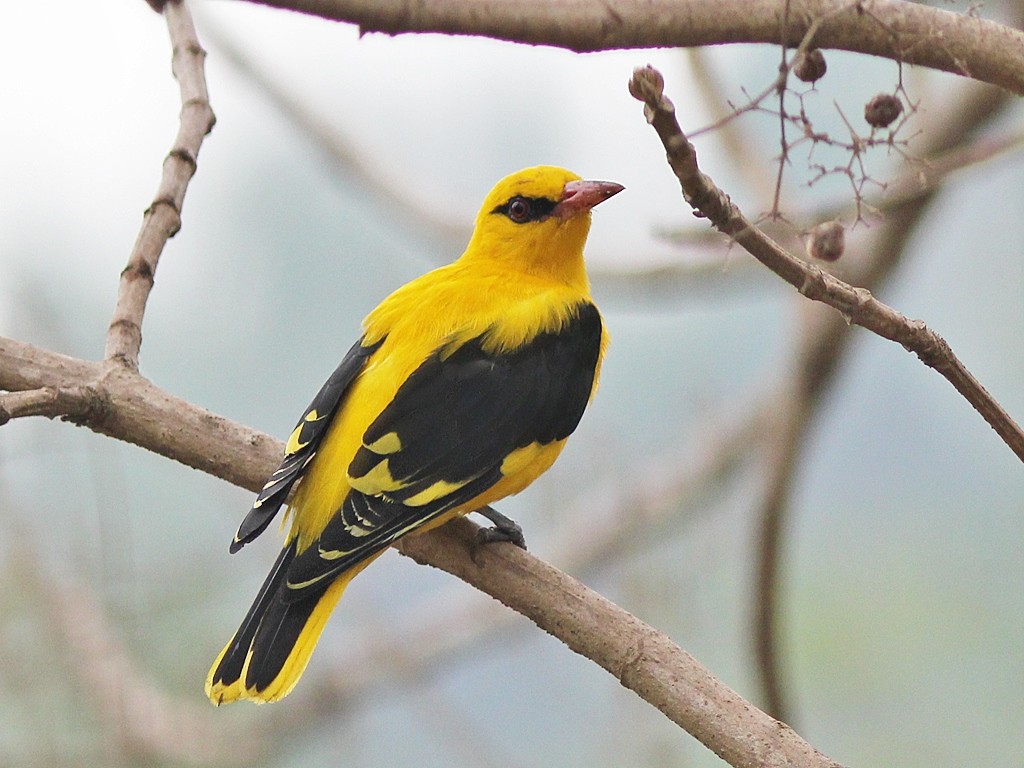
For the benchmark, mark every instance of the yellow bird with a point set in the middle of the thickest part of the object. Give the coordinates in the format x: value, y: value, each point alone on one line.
x: 462, y: 390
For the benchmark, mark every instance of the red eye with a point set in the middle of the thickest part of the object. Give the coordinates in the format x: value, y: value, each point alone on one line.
x: 519, y: 209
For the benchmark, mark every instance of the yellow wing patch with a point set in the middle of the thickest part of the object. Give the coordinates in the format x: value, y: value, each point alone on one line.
x: 520, y: 458
x: 377, y: 481
x: 388, y: 444
x: 295, y: 439
x: 436, y: 491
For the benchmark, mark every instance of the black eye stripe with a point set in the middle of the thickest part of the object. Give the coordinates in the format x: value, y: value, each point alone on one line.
x: 522, y: 209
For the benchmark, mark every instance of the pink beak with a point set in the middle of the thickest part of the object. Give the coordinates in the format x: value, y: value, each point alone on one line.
x: 580, y: 196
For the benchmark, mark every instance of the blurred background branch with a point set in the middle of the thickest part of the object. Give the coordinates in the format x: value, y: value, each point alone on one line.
x: 708, y: 411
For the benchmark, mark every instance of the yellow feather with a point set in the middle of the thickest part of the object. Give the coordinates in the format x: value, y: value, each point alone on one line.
x: 512, y: 282
x: 434, y: 492
x: 299, y: 657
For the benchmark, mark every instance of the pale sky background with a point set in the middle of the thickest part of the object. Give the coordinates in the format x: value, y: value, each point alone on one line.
x: 904, y: 603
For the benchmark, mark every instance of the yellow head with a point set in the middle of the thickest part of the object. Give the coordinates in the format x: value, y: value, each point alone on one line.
x: 537, y: 221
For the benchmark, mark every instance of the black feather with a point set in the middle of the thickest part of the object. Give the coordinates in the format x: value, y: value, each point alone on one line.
x: 279, y: 484
x: 457, y: 417
x: 230, y: 667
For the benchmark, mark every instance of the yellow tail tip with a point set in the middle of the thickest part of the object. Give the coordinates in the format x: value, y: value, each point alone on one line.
x: 226, y: 692
x: 222, y: 691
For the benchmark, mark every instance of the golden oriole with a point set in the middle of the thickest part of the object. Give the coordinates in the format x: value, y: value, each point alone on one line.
x: 462, y: 390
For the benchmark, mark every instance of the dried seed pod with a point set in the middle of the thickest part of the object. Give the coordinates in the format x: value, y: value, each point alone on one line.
x: 882, y: 110
x: 810, y: 66
x: 827, y: 241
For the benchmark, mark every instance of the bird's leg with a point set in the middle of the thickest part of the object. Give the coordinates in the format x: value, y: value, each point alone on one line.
x: 505, y: 529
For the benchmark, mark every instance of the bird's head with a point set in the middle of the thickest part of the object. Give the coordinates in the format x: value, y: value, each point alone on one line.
x: 537, y: 220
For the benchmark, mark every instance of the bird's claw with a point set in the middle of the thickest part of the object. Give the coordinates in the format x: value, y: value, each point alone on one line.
x: 504, y: 529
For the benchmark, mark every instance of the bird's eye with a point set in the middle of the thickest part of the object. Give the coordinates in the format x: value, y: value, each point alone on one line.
x: 519, y: 209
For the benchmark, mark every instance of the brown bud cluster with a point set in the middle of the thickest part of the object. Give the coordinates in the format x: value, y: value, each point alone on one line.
x: 827, y: 241
x: 810, y: 66
x: 882, y: 110
x: 646, y: 83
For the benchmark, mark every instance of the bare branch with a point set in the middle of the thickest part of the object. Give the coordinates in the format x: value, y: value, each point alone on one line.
x: 129, y: 407
x: 907, y: 32
x: 642, y: 658
x: 46, y: 401
x: 857, y: 305
x: 921, y: 179
x: 782, y: 459
x: 123, y: 404
x: 162, y: 219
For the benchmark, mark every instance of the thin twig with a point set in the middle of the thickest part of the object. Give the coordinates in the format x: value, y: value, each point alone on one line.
x: 822, y: 349
x: 781, y: 83
x: 162, y: 219
x: 738, y: 146
x: 857, y: 305
x: 47, y: 401
x: 920, y: 179
x: 781, y: 460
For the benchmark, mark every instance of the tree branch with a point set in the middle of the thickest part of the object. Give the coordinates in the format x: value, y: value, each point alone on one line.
x: 642, y: 658
x: 857, y: 305
x: 162, y: 218
x: 823, y: 346
x: 116, y: 401
x: 45, y: 401
x: 902, y: 31
x: 128, y: 406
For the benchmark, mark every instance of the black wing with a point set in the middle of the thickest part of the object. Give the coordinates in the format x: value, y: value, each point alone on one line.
x: 302, y: 445
x: 443, y: 439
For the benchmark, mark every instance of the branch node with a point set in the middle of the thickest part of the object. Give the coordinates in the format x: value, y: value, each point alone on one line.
x: 184, y: 155
x: 632, y: 662
x: 173, y: 226
x: 136, y: 270
x: 930, y: 348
